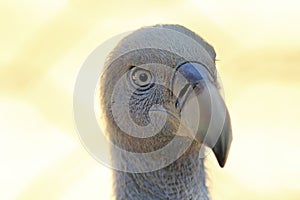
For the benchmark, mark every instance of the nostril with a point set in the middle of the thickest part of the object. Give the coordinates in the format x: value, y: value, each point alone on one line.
x: 182, y: 97
x: 177, y: 103
x: 178, y: 106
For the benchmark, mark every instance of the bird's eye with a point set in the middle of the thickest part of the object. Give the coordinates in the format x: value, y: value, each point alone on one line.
x: 141, y: 78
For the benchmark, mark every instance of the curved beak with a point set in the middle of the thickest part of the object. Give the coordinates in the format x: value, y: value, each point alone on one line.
x: 200, y: 102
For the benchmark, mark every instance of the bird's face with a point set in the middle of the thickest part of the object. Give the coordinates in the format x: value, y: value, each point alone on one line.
x: 149, y: 96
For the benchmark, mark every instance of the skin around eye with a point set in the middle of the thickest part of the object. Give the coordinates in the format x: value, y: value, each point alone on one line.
x: 141, y: 77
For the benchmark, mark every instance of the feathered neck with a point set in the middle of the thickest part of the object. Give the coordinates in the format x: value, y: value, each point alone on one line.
x: 183, y: 179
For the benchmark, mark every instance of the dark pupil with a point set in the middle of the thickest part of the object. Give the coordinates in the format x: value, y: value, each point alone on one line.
x: 143, y: 77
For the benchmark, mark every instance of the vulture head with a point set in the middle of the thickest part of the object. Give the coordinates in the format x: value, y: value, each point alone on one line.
x: 161, y: 103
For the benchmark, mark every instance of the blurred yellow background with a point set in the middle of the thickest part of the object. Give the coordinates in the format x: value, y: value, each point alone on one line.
x: 44, y: 43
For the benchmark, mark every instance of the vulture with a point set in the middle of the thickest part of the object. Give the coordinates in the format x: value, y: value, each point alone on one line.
x: 163, y: 111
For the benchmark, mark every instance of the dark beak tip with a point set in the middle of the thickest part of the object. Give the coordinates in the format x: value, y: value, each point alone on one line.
x: 222, y: 162
x: 221, y: 158
x: 222, y: 154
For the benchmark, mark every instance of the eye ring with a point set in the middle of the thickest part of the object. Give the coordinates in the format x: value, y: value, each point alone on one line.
x: 141, y: 79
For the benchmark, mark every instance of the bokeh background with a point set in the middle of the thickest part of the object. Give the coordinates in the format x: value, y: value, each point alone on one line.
x: 44, y: 43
